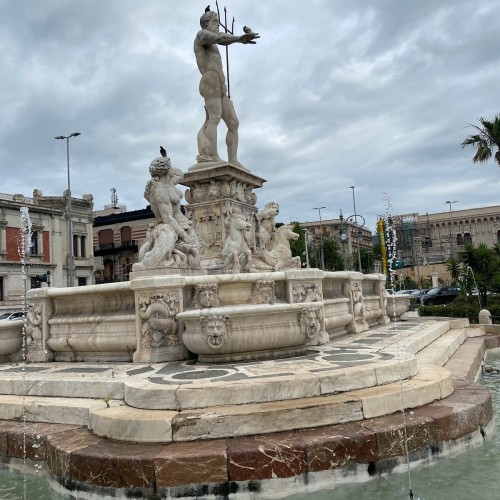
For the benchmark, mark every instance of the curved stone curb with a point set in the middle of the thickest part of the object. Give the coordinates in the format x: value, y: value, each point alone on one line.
x: 79, y: 459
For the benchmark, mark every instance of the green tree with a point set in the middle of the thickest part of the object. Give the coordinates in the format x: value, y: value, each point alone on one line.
x: 298, y: 246
x: 454, y: 269
x: 484, y: 263
x: 487, y: 138
x: 367, y: 260
x: 333, y: 257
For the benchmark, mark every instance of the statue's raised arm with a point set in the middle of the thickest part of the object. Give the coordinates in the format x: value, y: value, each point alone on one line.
x: 213, y: 88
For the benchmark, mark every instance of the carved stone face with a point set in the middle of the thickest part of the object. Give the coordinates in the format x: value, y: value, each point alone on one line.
x: 267, y: 293
x: 310, y: 318
x: 310, y: 322
x: 207, y: 298
x: 215, y: 331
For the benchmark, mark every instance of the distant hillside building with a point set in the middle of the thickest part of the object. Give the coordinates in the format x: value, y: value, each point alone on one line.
x: 47, y: 245
x: 429, y: 240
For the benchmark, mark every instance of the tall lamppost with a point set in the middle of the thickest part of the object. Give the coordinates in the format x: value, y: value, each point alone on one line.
x: 358, y: 230
x: 322, y: 255
x: 306, y: 234
x: 71, y: 267
x: 452, y: 246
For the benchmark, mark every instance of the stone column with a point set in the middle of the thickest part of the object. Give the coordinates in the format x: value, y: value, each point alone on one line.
x: 3, y: 237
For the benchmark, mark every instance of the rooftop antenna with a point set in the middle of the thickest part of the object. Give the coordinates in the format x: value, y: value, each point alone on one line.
x: 114, y: 198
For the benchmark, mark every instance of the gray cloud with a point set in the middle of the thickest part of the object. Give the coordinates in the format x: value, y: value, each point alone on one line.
x: 372, y: 94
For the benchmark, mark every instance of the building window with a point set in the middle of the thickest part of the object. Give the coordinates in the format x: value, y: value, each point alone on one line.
x: 75, y: 245
x: 34, y: 243
x: 82, y: 281
x: 460, y: 239
x: 498, y: 236
x: 126, y: 234
x: 1, y: 288
x: 83, y: 245
x: 467, y: 239
x: 105, y: 238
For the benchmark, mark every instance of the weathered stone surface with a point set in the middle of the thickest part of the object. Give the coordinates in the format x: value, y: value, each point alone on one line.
x: 133, y: 424
x: 115, y: 464
x: 473, y: 394
x: 392, y: 431
x: 452, y: 419
x: 332, y: 447
x: 466, y: 361
x: 30, y: 440
x: 492, y: 341
x: 230, y: 421
x: 61, y: 445
x: 191, y: 463
x: 265, y: 457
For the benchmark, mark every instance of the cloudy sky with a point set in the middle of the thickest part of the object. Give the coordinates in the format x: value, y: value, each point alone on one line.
x: 375, y: 94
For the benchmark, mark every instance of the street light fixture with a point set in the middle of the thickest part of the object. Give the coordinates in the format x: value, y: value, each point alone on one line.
x: 71, y: 267
x: 358, y: 230
x: 452, y: 246
x: 321, y: 237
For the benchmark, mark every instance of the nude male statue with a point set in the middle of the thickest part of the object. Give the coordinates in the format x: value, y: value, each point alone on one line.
x: 213, y: 88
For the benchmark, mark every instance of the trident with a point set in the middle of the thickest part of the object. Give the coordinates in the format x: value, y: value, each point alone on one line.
x: 230, y: 31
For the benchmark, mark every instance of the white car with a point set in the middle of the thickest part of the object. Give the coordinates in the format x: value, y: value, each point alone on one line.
x: 12, y: 316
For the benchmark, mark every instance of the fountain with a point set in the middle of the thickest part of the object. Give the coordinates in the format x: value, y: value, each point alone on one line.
x: 222, y: 366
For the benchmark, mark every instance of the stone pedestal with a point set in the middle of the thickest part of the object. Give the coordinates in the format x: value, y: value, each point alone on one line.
x: 215, y: 191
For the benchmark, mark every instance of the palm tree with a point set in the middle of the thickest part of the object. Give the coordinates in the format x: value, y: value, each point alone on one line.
x: 485, y: 141
x: 454, y: 269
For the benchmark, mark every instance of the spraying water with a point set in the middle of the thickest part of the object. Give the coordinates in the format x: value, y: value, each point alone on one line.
x: 24, y: 245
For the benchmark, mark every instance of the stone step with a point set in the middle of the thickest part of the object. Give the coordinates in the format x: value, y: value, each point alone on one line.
x: 125, y: 423
x: 443, y: 348
x: 42, y: 409
x: 467, y: 359
x: 129, y: 424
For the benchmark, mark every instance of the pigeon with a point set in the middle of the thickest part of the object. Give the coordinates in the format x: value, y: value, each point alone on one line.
x: 163, y: 151
x: 207, y: 8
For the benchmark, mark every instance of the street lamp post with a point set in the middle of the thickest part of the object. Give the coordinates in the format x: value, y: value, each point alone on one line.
x: 322, y: 255
x: 343, y: 238
x: 306, y: 233
x: 452, y: 246
x: 357, y: 230
x: 71, y: 267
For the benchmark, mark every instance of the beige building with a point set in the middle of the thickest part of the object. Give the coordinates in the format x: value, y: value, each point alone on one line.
x: 46, y: 246
x: 425, y: 242
x: 346, y: 234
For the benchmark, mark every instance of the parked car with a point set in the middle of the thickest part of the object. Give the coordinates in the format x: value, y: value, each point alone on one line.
x: 440, y: 295
x: 12, y: 316
x: 415, y: 297
x: 389, y: 291
x: 405, y: 292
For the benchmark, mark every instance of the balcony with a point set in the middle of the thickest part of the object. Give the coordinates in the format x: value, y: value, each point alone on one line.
x: 114, y: 249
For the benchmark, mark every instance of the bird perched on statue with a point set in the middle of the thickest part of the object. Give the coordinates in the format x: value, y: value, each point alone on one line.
x: 163, y: 151
x: 246, y: 29
x: 207, y: 8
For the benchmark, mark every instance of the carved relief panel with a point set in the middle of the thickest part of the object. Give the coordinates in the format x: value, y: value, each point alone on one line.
x: 159, y: 326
